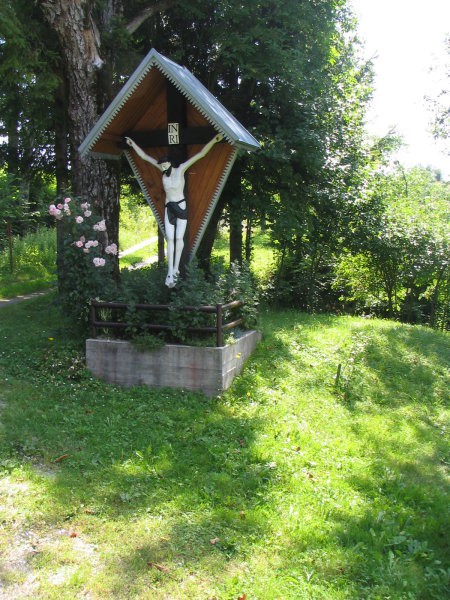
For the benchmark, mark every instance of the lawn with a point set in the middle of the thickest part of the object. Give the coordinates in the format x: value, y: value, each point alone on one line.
x: 34, y: 264
x: 290, y: 485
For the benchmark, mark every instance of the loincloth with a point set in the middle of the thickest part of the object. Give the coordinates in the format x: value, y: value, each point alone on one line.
x: 174, y: 211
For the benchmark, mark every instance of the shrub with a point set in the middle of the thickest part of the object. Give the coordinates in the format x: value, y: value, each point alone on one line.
x: 145, y: 286
x: 86, y: 258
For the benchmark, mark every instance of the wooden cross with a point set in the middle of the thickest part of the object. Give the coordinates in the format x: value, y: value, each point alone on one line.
x: 177, y: 137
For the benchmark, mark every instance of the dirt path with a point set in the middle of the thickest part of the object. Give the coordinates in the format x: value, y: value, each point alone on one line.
x: 22, y: 297
x: 139, y: 246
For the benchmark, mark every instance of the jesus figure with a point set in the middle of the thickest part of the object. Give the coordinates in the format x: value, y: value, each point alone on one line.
x: 175, y: 214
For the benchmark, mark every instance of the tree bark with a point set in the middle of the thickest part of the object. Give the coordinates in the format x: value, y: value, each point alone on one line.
x: 93, y: 180
x: 206, y: 245
x: 236, y: 212
x: 90, y: 90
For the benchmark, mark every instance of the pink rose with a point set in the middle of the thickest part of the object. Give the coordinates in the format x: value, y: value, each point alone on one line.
x: 100, y: 226
x: 59, y: 206
x: 84, y: 206
x: 111, y: 249
x: 87, y: 213
x: 99, y: 262
x: 66, y: 200
x: 79, y: 244
x: 79, y: 219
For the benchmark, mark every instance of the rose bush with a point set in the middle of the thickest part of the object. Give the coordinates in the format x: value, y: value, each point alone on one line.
x: 87, y: 258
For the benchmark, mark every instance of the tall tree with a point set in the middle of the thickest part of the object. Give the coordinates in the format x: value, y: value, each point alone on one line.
x: 28, y: 84
x: 92, y: 35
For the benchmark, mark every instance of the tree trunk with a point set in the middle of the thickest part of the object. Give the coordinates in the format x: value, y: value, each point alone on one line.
x: 206, y: 245
x: 61, y: 171
x: 236, y: 213
x: 235, y: 235
x: 61, y: 141
x: 93, y: 180
x: 160, y: 248
x: 248, y: 241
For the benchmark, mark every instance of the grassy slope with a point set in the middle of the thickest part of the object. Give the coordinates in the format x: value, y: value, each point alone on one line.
x: 285, y: 487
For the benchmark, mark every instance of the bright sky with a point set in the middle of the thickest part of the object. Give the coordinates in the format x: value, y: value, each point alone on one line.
x: 406, y: 38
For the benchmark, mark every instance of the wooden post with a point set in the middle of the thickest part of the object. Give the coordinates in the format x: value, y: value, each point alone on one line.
x: 93, y: 319
x: 219, y: 325
x: 160, y: 247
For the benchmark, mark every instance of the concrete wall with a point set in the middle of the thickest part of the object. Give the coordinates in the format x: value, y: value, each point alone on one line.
x: 210, y: 370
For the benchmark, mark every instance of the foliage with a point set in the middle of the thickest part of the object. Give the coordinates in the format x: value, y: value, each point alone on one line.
x: 192, y: 290
x: 15, y: 208
x: 400, y: 266
x: 136, y: 219
x: 34, y: 256
x: 147, y: 341
x: 238, y: 283
x: 87, y: 274
x: 282, y: 487
x: 146, y: 286
x: 440, y: 105
x: 28, y: 113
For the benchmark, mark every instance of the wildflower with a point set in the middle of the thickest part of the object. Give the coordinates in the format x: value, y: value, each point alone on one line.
x: 111, y: 249
x: 79, y: 219
x: 99, y: 262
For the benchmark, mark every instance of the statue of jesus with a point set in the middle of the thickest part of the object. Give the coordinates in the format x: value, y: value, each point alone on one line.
x: 175, y: 214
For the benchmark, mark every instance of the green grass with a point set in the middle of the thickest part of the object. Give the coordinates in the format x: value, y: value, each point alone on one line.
x: 262, y: 259
x: 139, y: 256
x: 137, y: 222
x: 287, y: 486
x: 34, y: 265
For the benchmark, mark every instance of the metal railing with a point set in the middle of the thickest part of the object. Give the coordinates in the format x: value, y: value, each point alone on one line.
x: 217, y: 309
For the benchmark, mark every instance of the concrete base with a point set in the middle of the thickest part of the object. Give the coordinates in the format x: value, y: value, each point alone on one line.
x: 210, y: 370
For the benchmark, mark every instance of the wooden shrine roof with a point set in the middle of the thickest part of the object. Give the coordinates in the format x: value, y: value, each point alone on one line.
x: 131, y: 108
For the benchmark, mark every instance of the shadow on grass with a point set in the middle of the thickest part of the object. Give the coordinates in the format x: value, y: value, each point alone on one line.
x: 101, y: 453
x: 191, y: 469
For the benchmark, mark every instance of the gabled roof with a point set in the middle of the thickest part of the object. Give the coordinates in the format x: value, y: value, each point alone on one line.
x: 196, y: 93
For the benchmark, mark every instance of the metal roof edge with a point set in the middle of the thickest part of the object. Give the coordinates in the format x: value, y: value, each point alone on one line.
x: 170, y: 69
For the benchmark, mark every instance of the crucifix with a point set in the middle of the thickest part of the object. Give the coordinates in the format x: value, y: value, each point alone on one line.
x: 177, y: 137
x: 164, y: 109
